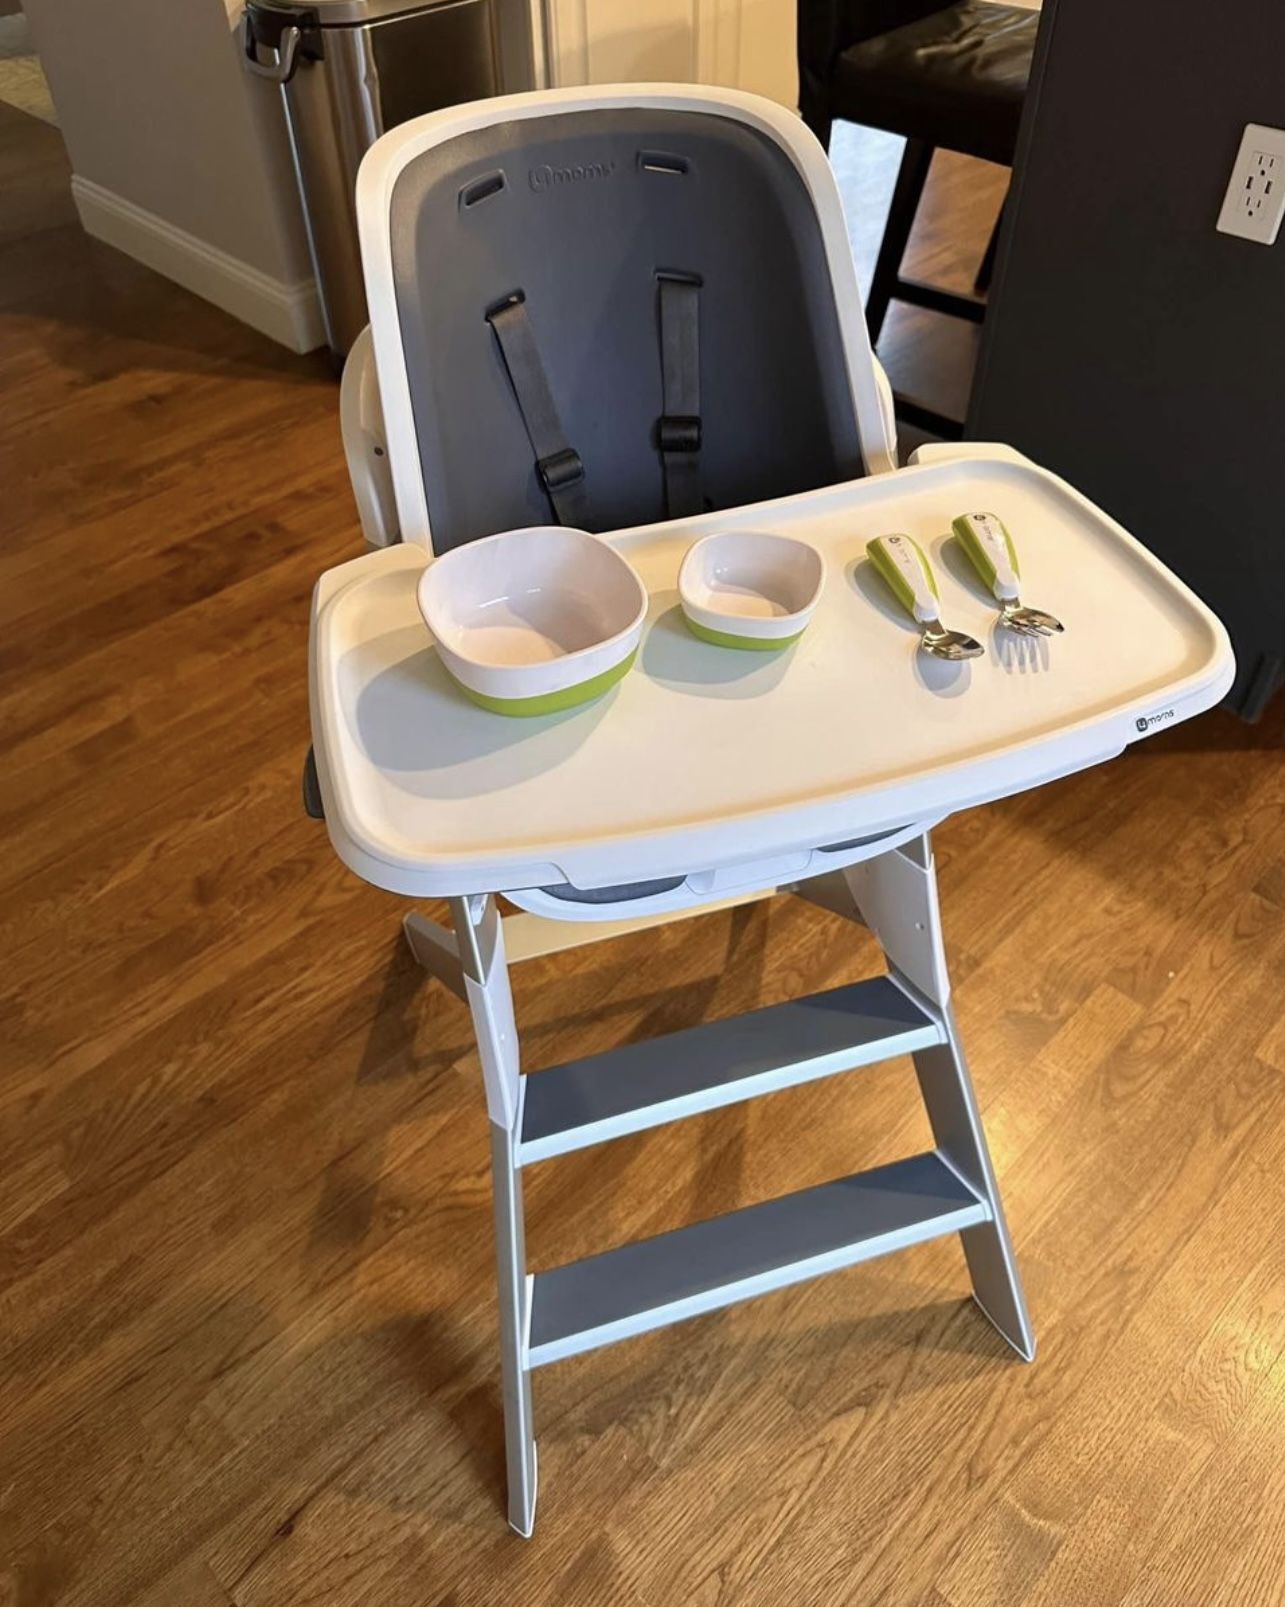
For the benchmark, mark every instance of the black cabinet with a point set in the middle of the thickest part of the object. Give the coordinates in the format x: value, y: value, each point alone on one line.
x: 1129, y: 346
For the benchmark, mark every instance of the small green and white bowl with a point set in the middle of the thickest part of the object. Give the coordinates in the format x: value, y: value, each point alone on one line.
x: 534, y: 621
x: 749, y: 589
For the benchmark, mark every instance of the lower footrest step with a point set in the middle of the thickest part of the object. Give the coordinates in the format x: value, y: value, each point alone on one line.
x: 695, y: 1269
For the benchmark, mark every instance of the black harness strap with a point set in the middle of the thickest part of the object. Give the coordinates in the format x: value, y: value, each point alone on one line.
x: 678, y: 430
x: 556, y: 462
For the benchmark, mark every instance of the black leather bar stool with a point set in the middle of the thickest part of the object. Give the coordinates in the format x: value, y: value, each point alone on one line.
x: 943, y: 73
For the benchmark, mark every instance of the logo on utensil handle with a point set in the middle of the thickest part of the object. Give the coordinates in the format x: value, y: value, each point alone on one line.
x: 1148, y: 722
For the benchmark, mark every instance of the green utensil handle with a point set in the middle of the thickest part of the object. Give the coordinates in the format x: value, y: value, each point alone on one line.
x: 985, y: 538
x: 904, y: 565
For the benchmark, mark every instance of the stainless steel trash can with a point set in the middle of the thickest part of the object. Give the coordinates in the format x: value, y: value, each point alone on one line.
x: 349, y: 70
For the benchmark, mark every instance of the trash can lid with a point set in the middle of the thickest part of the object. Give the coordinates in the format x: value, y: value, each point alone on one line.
x: 340, y: 13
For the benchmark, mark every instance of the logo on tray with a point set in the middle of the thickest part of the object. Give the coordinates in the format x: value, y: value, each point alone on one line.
x: 545, y: 177
x: 1148, y: 722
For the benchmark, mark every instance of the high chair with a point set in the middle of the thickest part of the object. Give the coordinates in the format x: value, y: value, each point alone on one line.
x: 633, y: 309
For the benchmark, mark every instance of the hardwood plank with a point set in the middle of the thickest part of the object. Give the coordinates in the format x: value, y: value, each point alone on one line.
x: 1230, y: 1550
x: 1109, y: 1478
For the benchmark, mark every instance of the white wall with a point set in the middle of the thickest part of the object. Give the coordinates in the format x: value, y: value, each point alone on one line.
x: 180, y: 156
x: 744, y: 44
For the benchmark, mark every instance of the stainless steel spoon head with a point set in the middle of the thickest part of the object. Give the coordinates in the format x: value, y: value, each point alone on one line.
x: 953, y: 645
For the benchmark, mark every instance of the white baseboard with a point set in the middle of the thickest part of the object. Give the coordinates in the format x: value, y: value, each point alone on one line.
x: 288, y: 313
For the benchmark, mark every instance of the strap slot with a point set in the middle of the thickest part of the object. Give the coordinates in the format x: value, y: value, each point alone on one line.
x: 482, y: 189
x: 662, y: 162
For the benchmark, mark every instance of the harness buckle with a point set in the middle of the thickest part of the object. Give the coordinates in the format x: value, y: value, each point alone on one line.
x: 560, y: 470
x: 678, y: 432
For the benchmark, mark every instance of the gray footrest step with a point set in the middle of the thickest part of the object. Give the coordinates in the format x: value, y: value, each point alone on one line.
x: 644, y: 1084
x: 695, y: 1269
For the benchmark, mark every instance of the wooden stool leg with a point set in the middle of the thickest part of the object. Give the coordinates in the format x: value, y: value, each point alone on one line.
x: 911, y: 177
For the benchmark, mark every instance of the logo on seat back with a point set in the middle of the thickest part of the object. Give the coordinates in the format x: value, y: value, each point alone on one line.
x: 546, y: 177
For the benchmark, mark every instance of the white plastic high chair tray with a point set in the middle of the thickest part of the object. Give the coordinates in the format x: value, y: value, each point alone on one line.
x: 705, y: 757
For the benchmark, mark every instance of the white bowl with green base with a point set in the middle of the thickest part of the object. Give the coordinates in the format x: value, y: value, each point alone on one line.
x: 534, y: 621
x: 750, y: 589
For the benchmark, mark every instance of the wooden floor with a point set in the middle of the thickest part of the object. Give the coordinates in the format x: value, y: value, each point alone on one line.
x: 246, y: 1311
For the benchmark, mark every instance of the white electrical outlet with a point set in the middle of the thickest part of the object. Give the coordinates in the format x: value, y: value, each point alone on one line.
x: 1255, y: 199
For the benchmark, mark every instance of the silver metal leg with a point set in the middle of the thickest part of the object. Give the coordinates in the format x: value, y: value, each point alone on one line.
x: 479, y: 942
x: 510, y: 1266
x: 562, y: 1311
x: 897, y: 894
x: 948, y: 1096
x: 479, y: 936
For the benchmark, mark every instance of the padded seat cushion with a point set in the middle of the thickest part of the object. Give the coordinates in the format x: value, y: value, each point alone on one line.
x: 956, y: 79
x: 580, y: 211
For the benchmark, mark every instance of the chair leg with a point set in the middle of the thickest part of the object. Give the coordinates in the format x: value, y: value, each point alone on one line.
x: 896, y: 895
x: 986, y: 270
x: 515, y: 1376
x: 948, y: 1096
x: 909, y: 187
x: 478, y: 944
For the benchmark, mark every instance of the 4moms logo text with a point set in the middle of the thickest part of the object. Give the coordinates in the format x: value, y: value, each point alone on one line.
x: 546, y: 177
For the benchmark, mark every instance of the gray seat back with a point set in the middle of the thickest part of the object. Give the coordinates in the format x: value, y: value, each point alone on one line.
x: 581, y: 211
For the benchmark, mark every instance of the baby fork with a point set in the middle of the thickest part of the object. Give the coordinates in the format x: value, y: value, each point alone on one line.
x: 985, y: 538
